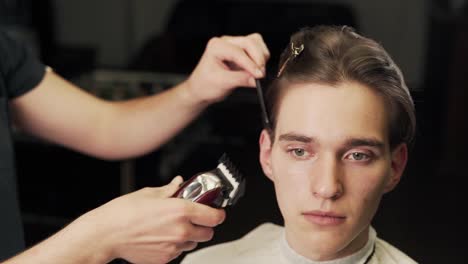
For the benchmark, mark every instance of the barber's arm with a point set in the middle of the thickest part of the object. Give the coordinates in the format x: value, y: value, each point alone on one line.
x: 142, y: 227
x: 58, y: 111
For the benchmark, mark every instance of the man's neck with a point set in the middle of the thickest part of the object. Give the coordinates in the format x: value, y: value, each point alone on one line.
x: 355, y: 250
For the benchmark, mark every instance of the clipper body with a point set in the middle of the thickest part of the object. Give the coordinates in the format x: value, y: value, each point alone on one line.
x: 219, y: 188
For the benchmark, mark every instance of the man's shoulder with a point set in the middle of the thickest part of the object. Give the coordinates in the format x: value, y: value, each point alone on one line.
x: 257, y: 243
x: 386, y: 253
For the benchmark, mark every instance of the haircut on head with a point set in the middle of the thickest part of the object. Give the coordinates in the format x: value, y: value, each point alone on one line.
x: 332, y: 55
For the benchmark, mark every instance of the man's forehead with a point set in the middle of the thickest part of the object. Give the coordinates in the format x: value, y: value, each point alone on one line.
x: 345, y: 111
x: 350, y: 90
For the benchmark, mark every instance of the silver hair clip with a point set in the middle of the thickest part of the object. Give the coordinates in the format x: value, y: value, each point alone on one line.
x: 295, y: 51
x: 350, y: 30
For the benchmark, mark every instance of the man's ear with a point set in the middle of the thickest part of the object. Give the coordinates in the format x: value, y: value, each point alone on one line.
x: 399, y: 159
x: 265, y: 153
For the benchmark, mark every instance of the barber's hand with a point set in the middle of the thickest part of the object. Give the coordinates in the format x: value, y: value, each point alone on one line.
x: 228, y: 62
x: 149, y: 227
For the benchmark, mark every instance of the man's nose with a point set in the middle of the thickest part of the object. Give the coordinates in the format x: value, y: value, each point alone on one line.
x: 326, y: 178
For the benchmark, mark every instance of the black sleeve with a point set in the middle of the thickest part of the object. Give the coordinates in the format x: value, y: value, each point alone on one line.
x: 19, y: 68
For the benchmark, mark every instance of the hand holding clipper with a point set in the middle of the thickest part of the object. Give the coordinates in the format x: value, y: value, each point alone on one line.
x: 218, y: 188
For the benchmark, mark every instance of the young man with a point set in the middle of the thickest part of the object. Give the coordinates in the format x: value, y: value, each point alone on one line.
x: 341, y: 121
x: 142, y: 227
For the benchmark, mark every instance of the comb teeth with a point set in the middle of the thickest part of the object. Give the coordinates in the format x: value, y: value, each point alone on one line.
x: 230, y: 166
x: 233, y: 176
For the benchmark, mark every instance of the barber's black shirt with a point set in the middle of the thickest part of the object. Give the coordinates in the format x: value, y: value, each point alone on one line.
x: 19, y: 73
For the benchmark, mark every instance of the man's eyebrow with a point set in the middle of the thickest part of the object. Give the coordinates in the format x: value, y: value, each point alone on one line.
x: 295, y: 137
x: 352, y: 142
x: 370, y: 142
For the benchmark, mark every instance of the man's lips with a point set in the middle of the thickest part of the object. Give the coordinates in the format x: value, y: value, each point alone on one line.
x: 324, y: 218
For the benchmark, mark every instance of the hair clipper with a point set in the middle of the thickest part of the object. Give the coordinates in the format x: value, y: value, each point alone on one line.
x: 218, y: 188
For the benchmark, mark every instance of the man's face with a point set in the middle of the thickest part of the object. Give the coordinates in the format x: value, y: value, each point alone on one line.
x: 330, y: 163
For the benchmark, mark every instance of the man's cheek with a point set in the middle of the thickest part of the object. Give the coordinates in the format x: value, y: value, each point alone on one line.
x: 292, y: 189
x: 370, y: 193
x: 292, y: 177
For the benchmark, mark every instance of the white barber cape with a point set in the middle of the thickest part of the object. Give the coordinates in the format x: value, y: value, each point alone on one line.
x: 267, y: 244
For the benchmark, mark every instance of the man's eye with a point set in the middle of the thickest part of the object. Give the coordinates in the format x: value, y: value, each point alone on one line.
x: 359, y: 156
x: 299, y: 152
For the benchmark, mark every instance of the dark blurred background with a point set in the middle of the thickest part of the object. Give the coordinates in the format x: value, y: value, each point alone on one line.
x: 121, y: 48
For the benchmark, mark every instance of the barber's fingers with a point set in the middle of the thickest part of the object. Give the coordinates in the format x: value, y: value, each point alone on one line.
x: 237, y: 79
x: 260, y: 40
x: 227, y: 51
x: 197, y: 233
x: 203, y: 215
x: 187, y: 246
x: 253, y: 45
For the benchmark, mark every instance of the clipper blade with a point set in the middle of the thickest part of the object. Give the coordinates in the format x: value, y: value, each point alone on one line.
x: 220, y: 187
x: 234, y: 177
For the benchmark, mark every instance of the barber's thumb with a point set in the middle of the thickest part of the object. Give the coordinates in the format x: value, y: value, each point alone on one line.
x: 169, y: 189
x: 177, y: 181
